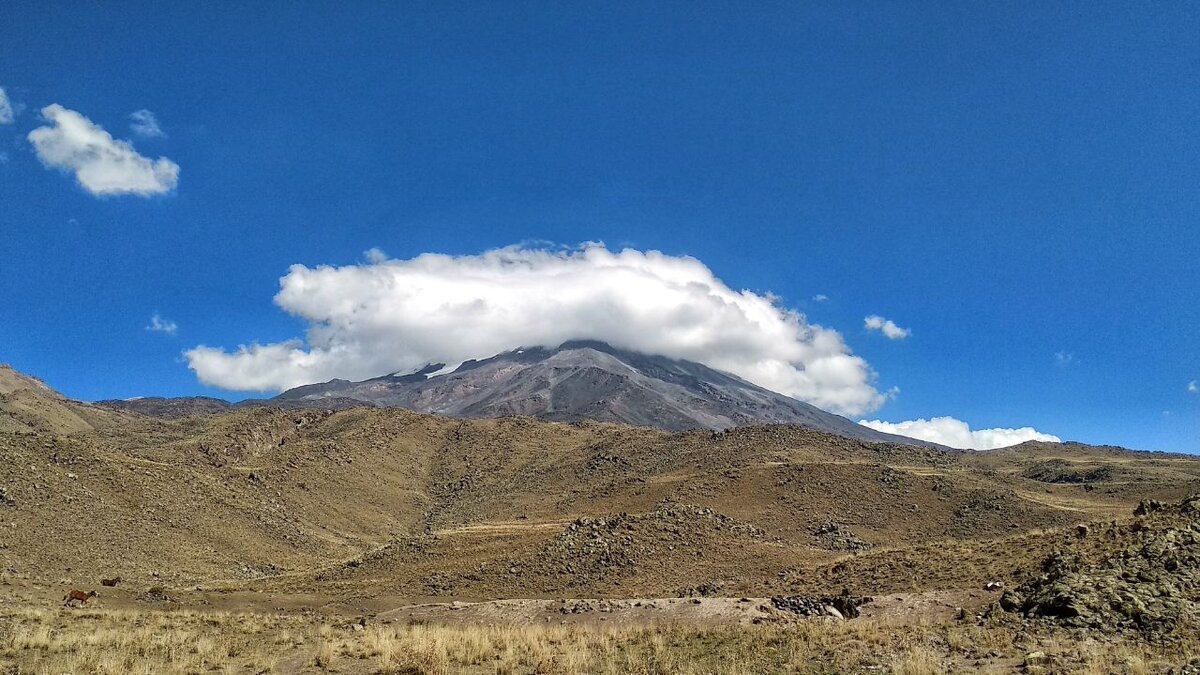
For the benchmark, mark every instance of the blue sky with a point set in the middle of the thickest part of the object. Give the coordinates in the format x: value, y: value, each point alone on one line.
x: 1016, y: 184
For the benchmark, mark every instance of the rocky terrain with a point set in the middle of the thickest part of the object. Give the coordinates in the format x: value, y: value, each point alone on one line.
x: 365, y: 511
x: 577, y: 381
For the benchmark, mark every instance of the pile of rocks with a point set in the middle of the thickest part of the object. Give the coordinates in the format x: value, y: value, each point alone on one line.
x: 1064, y: 472
x: 844, y: 606
x: 1152, y: 585
x: 836, y: 537
x: 600, y: 547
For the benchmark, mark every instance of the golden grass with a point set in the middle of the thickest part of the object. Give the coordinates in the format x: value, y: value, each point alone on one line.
x: 189, y: 642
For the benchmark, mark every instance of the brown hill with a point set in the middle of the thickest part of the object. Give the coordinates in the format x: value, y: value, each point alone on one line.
x: 390, y: 502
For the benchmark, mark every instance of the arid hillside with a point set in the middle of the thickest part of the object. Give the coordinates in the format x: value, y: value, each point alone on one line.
x: 417, y: 505
x: 335, y: 536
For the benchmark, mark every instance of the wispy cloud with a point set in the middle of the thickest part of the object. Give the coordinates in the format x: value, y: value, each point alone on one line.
x: 820, y: 297
x: 161, y: 325
x: 958, y: 434
x: 6, y: 108
x: 145, y: 124
x: 1193, y: 387
x: 100, y: 163
x: 1063, y: 359
x: 886, y: 326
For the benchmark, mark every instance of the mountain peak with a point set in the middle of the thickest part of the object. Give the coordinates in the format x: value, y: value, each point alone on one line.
x: 590, y: 380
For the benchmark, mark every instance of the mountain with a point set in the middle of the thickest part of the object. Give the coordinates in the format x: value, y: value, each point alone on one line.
x: 313, y: 521
x: 589, y: 380
x: 28, y: 405
x: 386, y: 503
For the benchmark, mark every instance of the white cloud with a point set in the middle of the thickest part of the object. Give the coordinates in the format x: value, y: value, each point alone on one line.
x: 6, y: 109
x: 1193, y: 388
x: 145, y: 124
x: 385, y: 316
x: 102, y: 165
x: 958, y: 434
x: 161, y: 325
x: 1064, y: 359
x: 820, y: 297
x: 886, y: 326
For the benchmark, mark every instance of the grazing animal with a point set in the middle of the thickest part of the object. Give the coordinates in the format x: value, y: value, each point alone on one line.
x: 77, y: 595
x: 110, y: 582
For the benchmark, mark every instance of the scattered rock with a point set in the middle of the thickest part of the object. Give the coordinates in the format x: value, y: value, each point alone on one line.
x: 1152, y: 585
x: 844, y: 606
x: 1060, y: 471
x: 836, y: 537
x: 1148, y: 506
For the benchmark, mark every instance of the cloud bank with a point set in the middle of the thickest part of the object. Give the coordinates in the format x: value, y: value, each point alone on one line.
x: 886, y: 326
x: 386, y: 316
x: 101, y: 164
x: 958, y: 434
x: 6, y: 109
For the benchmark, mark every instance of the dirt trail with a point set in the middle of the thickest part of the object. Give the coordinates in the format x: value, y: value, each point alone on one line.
x: 904, y: 607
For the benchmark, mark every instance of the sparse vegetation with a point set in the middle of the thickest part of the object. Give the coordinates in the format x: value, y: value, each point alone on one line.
x: 114, y: 641
x: 268, y: 540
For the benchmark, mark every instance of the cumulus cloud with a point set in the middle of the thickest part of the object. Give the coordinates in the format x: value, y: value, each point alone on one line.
x: 145, y: 124
x: 161, y: 325
x: 886, y: 326
x: 385, y: 316
x: 6, y: 109
x: 958, y: 434
x: 101, y: 164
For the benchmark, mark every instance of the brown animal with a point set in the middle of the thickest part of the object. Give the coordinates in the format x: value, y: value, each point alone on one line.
x: 110, y: 582
x: 77, y: 595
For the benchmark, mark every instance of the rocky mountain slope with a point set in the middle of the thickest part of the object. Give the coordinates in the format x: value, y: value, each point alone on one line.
x: 587, y: 380
x: 393, y: 502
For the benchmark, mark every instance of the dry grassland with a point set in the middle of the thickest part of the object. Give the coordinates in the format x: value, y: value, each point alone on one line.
x: 151, y: 642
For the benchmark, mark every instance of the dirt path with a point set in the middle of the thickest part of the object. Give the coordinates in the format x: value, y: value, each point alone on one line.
x: 902, y: 607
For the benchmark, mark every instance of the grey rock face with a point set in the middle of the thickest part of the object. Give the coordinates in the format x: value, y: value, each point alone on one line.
x: 586, y: 380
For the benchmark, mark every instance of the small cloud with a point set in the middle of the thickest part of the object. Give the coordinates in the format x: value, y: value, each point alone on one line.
x: 886, y: 326
x: 7, y: 115
x: 958, y: 434
x: 820, y: 297
x: 145, y: 124
x: 375, y: 255
x: 3, y: 158
x: 1193, y: 387
x: 1063, y: 359
x: 161, y: 325
x: 101, y: 164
